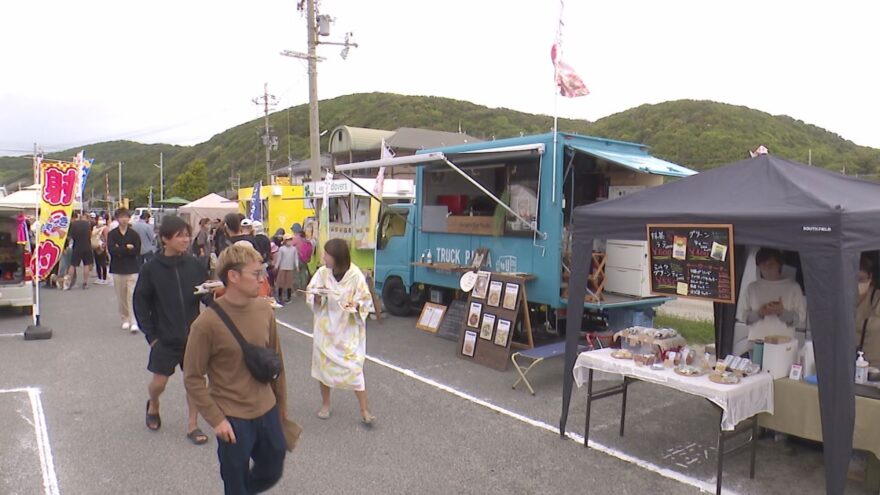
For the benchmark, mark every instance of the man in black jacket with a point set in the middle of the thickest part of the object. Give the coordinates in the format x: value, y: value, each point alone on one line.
x: 124, y: 245
x: 165, y: 306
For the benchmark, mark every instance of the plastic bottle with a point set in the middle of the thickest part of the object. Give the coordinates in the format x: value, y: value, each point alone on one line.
x: 431, y: 261
x: 861, y: 369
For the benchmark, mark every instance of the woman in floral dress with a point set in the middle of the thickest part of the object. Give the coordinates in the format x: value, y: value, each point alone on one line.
x: 341, y: 302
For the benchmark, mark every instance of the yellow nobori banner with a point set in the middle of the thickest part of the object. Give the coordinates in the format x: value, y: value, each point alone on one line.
x: 58, y: 182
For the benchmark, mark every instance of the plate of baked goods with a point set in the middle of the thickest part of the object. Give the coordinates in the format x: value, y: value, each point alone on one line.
x: 726, y: 378
x: 622, y: 354
x: 687, y: 370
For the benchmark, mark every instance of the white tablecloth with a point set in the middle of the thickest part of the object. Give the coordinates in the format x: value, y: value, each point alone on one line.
x: 752, y: 395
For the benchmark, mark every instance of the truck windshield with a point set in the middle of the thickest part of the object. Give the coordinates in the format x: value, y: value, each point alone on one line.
x: 392, y: 224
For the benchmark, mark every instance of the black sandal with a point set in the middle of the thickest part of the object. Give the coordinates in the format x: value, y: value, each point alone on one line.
x: 153, y: 421
x: 197, y: 437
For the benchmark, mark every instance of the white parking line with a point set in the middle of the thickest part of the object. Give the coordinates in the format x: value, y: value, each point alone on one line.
x: 666, y: 473
x: 20, y: 334
x: 47, y: 464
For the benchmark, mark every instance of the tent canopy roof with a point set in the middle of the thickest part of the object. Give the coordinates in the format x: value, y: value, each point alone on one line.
x: 176, y: 200
x: 784, y: 195
x: 211, y: 200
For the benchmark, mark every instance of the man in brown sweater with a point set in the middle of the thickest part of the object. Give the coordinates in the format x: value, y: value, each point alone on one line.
x: 246, y: 414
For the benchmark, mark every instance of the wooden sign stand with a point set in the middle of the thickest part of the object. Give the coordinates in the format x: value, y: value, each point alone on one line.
x: 479, y: 341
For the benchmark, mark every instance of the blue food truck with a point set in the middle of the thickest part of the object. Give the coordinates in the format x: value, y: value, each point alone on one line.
x: 510, y: 200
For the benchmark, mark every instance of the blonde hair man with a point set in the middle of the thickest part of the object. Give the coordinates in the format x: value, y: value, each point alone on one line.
x: 246, y: 413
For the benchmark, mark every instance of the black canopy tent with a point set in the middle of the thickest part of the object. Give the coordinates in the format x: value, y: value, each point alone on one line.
x: 827, y: 217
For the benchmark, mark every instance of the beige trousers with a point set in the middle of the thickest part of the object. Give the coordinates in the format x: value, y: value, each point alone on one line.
x: 124, y: 286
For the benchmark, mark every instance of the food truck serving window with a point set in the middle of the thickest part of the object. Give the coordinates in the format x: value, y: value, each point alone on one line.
x: 452, y: 204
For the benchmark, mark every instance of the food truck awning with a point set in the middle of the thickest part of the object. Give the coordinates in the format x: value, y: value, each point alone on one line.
x: 640, y: 162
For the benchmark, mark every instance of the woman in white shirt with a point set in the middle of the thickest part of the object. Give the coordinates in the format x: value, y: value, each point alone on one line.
x: 774, y: 305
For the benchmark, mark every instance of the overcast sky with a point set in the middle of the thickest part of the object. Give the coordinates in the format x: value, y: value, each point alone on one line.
x: 78, y: 72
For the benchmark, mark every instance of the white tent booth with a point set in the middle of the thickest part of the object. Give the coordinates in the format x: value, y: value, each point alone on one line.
x: 27, y: 199
x: 210, y: 206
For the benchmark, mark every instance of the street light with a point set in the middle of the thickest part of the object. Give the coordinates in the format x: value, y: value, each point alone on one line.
x: 161, y: 167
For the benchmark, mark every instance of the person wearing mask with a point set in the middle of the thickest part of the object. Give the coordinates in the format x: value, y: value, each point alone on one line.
x: 125, y: 247
x: 80, y: 233
x: 341, y: 302
x: 868, y: 312
x: 99, y: 245
x: 774, y: 305
x: 145, y: 231
x: 246, y: 414
x: 165, y: 306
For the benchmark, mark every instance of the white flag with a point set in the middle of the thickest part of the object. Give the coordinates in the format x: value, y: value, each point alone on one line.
x: 380, y: 177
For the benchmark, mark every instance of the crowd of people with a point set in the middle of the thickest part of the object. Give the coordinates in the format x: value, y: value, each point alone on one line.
x: 204, y: 304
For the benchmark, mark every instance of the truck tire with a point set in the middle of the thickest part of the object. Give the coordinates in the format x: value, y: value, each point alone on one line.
x: 395, y: 298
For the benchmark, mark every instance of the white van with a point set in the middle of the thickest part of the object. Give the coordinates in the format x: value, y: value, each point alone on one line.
x: 16, y: 286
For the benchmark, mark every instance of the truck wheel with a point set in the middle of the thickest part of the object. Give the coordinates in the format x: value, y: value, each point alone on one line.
x: 395, y: 298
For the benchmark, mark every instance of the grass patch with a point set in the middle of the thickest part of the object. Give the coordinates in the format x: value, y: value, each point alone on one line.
x: 694, y: 331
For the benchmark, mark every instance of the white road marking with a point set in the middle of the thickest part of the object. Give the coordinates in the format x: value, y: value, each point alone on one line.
x: 20, y: 334
x: 664, y: 472
x: 44, y: 449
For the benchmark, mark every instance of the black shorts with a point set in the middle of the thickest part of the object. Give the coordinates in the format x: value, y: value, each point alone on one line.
x: 84, y: 257
x: 163, y: 359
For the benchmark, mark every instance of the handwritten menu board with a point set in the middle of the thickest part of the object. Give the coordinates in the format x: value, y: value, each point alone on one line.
x: 453, y: 319
x: 693, y: 261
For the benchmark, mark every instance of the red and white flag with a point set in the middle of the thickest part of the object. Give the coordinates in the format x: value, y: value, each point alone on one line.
x: 570, y: 84
x: 380, y: 177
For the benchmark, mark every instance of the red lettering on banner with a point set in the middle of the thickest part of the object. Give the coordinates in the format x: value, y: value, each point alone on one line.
x: 49, y: 254
x: 58, y: 186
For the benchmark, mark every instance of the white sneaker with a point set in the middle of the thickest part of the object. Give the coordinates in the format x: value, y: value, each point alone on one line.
x: 126, y: 325
x: 135, y: 328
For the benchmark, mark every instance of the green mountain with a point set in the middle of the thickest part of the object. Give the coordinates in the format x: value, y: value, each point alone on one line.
x: 699, y: 134
x: 138, y: 169
x: 705, y: 134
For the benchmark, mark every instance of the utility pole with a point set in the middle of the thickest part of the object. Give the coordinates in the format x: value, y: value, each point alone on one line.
x: 269, y: 141
x: 161, y: 167
x: 161, y: 176
x: 314, y: 124
x: 119, y: 199
x: 316, y: 25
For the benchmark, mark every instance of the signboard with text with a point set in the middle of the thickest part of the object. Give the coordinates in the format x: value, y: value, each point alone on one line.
x: 694, y: 261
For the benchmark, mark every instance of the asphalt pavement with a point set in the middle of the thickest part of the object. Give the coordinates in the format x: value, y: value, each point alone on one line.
x: 444, y: 425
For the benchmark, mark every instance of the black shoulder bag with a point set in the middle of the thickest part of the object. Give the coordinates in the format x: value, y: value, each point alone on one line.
x: 263, y: 363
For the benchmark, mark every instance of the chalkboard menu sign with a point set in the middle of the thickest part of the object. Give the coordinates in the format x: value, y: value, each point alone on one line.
x: 450, y: 327
x: 694, y: 261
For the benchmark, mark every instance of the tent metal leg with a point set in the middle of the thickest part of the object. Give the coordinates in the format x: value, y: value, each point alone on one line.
x: 754, y: 444
x: 623, y: 405
x: 589, y: 407
x: 720, y: 459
